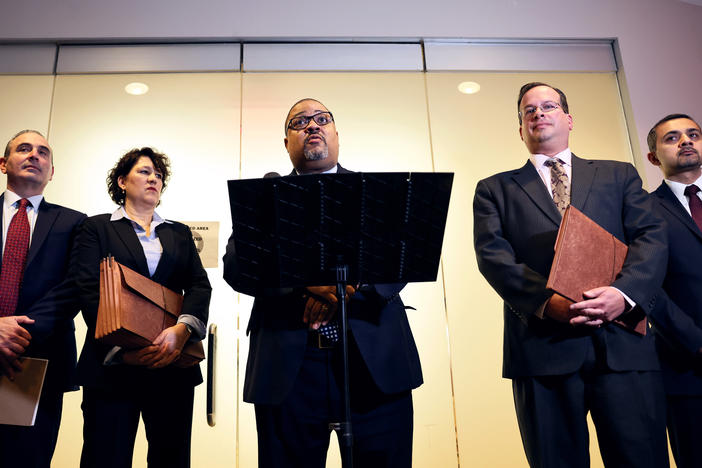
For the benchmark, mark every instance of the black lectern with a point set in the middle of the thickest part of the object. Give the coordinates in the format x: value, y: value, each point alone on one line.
x: 338, y: 229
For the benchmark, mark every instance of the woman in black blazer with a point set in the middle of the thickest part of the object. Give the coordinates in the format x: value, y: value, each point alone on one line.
x: 119, y: 386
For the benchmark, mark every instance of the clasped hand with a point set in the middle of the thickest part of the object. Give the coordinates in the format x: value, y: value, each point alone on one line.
x: 14, y: 340
x: 322, y: 304
x: 163, y: 351
x: 601, y: 305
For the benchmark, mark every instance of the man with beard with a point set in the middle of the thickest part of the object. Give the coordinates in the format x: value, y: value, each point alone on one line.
x: 294, y: 363
x: 675, y: 143
x: 567, y: 362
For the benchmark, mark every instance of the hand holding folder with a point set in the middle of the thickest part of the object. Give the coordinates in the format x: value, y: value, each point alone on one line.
x: 586, y: 257
x: 133, y: 310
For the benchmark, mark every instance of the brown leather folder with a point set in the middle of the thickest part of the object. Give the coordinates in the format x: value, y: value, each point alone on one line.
x: 133, y: 310
x: 587, y: 257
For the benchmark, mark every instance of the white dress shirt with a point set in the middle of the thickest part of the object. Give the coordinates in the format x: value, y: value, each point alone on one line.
x: 9, y: 209
x: 678, y: 189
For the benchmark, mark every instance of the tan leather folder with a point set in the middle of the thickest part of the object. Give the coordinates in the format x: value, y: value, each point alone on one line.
x: 587, y: 257
x: 133, y: 310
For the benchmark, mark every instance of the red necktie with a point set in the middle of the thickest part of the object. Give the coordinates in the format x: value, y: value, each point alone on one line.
x: 695, y: 204
x: 16, y: 247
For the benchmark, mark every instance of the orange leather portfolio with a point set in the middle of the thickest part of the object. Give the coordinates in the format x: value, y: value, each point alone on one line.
x: 133, y: 310
x: 587, y: 257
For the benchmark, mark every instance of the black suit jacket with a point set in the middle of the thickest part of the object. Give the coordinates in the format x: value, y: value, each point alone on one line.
x: 515, y: 228
x: 179, y: 269
x: 47, y: 296
x: 377, y: 322
x: 677, y: 317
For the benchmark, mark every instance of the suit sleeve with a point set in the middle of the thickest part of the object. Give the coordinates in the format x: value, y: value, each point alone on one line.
x: 645, y: 264
x: 85, y: 270
x: 522, y: 288
x: 675, y: 326
x: 55, y: 311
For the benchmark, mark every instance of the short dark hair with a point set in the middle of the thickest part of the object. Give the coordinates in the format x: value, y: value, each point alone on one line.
x: 125, y: 165
x: 534, y: 84
x: 287, y: 117
x: 652, y: 137
x: 7, y: 146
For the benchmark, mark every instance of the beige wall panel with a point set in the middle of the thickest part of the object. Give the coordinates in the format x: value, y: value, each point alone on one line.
x: 25, y: 102
x: 194, y: 118
x: 477, y: 136
x: 382, y: 124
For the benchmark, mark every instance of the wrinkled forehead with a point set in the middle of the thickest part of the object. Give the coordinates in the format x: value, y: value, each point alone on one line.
x: 539, y: 94
x: 676, y: 125
x: 32, y: 138
x: 306, y: 107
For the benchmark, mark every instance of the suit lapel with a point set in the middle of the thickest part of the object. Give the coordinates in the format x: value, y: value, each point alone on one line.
x: 582, y: 174
x: 46, y: 216
x: 165, y: 264
x: 529, y: 180
x: 669, y: 201
x: 124, y: 230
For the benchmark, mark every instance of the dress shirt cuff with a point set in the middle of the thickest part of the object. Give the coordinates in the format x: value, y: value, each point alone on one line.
x: 113, y: 357
x: 194, y: 323
x: 542, y: 309
x: 628, y: 300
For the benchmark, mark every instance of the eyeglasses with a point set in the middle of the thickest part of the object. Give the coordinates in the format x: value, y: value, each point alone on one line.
x: 546, y: 107
x: 302, y: 121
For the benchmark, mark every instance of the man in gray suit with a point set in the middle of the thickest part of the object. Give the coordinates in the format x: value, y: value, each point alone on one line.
x: 564, y: 365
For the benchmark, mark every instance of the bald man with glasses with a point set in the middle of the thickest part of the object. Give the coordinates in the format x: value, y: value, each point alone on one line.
x: 294, y: 363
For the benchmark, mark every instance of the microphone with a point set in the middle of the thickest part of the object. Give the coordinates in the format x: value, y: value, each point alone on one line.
x: 270, y: 175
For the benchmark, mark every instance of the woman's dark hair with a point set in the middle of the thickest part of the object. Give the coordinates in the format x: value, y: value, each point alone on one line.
x: 125, y: 165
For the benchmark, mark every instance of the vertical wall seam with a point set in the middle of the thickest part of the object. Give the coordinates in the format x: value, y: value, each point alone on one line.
x: 53, y: 94
x: 441, y: 264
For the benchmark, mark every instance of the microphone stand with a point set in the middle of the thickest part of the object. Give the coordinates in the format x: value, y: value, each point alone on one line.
x: 343, y: 428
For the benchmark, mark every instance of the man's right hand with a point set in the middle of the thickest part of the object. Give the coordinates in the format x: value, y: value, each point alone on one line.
x: 321, y: 305
x: 14, y: 340
x: 558, y: 308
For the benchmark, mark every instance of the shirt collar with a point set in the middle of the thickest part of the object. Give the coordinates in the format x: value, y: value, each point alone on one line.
x: 333, y: 170
x: 539, y: 159
x: 11, y: 198
x: 120, y: 213
x: 678, y: 188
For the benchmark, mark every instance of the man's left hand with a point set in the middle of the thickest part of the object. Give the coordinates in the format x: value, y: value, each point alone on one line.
x: 603, y: 304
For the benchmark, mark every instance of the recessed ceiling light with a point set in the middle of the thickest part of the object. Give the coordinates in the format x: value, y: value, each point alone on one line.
x: 136, y: 88
x: 469, y: 87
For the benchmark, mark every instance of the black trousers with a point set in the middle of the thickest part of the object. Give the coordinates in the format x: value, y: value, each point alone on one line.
x: 33, y: 446
x: 296, y: 433
x: 627, y: 408
x: 111, y: 420
x: 685, y: 430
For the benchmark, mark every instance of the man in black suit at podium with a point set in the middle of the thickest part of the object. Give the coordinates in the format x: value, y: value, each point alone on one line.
x: 294, y: 363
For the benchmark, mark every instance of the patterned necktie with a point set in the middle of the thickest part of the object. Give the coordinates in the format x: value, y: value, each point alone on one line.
x: 16, y: 247
x: 560, y: 186
x: 695, y: 204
